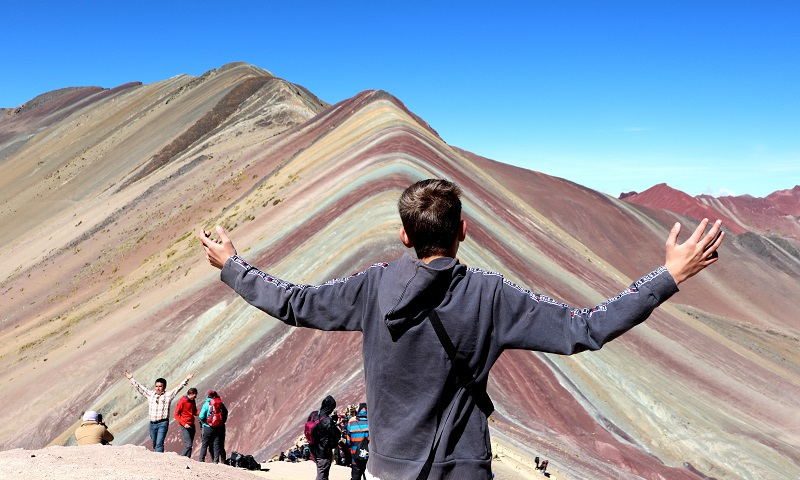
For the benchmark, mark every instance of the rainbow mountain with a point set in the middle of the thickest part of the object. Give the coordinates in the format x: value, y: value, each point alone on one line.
x: 101, y: 191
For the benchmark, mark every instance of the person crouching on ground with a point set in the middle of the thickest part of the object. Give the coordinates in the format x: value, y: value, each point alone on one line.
x: 92, y: 430
x: 158, y: 402
x: 213, y: 415
x: 185, y: 411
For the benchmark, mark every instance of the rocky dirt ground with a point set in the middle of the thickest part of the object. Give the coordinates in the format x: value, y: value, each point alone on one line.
x: 129, y: 462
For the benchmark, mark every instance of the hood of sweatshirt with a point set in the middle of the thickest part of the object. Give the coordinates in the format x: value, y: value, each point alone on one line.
x: 328, y: 405
x: 410, y: 288
x: 361, y: 414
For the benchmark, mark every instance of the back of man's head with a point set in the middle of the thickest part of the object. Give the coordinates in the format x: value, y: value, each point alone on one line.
x: 431, y: 214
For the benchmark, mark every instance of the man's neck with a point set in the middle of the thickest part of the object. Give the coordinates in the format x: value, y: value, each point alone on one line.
x: 428, y: 260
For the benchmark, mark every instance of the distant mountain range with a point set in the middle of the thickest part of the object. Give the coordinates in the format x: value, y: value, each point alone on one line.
x: 101, y: 191
x: 776, y: 214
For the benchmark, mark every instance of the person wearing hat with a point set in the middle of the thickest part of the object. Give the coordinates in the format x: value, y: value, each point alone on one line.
x: 92, y: 430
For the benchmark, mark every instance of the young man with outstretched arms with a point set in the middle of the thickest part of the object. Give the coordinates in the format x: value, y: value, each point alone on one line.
x: 432, y: 329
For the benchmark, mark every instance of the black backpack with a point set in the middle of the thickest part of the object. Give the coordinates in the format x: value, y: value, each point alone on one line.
x: 243, y: 461
x: 250, y: 463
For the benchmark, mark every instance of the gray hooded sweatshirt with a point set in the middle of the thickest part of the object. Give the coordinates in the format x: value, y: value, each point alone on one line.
x: 411, y: 383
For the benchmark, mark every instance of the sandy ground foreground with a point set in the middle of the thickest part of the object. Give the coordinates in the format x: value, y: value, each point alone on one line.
x: 105, y: 462
x: 129, y: 462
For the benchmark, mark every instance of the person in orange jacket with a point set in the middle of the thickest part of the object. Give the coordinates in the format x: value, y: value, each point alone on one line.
x: 184, y: 414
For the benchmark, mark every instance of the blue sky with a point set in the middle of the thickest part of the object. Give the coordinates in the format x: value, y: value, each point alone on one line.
x: 616, y: 96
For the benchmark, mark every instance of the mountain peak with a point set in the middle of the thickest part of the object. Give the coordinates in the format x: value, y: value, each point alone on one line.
x: 741, y: 213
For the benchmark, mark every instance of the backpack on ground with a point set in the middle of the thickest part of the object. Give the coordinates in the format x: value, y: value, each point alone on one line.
x: 233, y: 459
x: 214, y: 418
x: 243, y: 461
x: 250, y: 463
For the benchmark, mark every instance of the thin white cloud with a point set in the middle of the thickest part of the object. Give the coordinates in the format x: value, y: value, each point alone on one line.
x: 719, y: 192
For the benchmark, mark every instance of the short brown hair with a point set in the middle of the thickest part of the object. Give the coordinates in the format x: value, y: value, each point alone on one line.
x: 431, y: 214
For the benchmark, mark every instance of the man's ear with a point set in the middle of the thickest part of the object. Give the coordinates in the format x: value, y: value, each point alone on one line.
x: 404, y: 238
x: 462, y: 234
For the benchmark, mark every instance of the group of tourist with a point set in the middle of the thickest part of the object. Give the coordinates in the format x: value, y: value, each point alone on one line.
x: 429, y: 324
x: 338, y: 438
x: 333, y: 437
x: 213, y: 415
x: 330, y: 436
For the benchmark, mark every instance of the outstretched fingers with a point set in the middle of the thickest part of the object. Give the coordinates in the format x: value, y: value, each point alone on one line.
x: 217, y: 251
x: 207, y: 241
x: 710, y: 254
x: 204, y: 238
x: 223, y: 235
x: 672, y: 239
x: 698, y: 232
x: 684, y: 260
x: 712, y: 235
x: 717, y: 242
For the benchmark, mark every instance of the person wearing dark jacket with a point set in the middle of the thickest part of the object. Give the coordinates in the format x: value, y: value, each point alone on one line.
x: 326, y: 437
x: 433, y: 328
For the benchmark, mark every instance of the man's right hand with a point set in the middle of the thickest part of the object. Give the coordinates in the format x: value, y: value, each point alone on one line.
x: 687, y: 259
x: 217, y: 252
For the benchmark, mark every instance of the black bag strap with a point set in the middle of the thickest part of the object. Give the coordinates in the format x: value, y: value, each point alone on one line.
x: 464, y: 378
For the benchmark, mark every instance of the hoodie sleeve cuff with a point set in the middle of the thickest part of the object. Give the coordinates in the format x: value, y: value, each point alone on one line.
x: 661, y: 284
x: 234, y: 267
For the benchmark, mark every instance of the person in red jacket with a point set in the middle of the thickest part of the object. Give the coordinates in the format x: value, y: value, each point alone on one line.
x: 185, y: 412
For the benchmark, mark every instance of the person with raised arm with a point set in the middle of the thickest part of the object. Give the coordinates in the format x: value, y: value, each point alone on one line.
x: 433, y: 328
x: 158, y: 403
